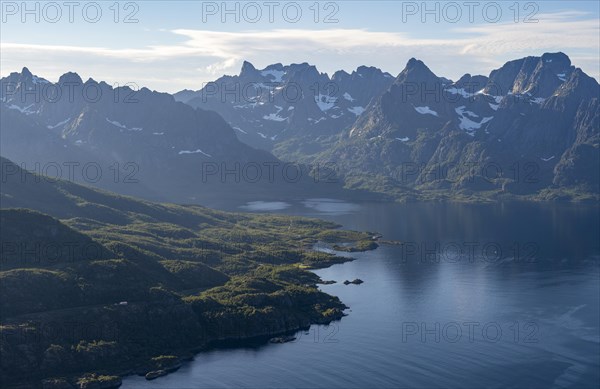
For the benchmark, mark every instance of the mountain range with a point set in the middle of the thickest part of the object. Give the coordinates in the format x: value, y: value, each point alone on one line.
x: 529, y: 128
x: 136, y: 142
x: 290, y: 110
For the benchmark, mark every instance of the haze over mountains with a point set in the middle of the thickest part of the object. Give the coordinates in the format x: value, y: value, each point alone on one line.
x: 529, y: 128
x: 142, y: 143
x: 291, y: 110
x: 164, y: 281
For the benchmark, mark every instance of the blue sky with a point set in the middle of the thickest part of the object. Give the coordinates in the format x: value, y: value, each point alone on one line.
x: 170, y: 46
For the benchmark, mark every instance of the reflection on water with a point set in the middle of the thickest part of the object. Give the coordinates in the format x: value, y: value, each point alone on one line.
x: 501, y: 295
x: 331, y: 206
x: 265, y: 206
x: 308, y: 207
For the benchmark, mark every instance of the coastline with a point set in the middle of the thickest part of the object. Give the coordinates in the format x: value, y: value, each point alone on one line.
x: 263, y: 339
x: 311, y: 307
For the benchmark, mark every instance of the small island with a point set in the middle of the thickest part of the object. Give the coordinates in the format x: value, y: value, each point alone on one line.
x: 356, y: 281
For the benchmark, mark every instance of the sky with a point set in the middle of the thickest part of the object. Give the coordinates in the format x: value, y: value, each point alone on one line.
x: 173, y: 45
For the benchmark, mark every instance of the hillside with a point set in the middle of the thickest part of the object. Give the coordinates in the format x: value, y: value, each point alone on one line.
x: 136, y: 142
x: 529, y: 130
x: 159, y: 280
x: 293, y: 110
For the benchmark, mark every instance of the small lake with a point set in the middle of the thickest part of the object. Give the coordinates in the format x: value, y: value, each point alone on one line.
x: 502, y: 295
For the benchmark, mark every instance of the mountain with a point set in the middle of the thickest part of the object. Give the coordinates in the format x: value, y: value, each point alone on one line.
x: 294, y: 110
x: 96, y: 285
x: 530, y: 128
x: 136, y: 142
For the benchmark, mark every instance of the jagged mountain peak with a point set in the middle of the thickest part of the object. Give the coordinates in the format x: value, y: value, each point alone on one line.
x: 301, y: 65
x: 536, y: 76
x: 417, y: 64
x: 558, y: 58
x: 275, y: 66
x: 25, y: 72
x: 367, y: 69
x: 414, y: 62
x: 24, y: 76
x: 579, y: 83
x: 70, y: 77
x: 470, y: 83
x: 367, y: 72
x: 340, y: 75
x: 247, y: 69
x: 416, y: 71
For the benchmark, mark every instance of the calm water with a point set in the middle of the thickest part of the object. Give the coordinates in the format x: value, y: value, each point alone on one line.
x: 478, y: 296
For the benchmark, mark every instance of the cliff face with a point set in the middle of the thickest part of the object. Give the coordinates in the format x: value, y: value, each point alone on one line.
x: 134, y: 142
x: 291, y: 110
x: 531, y: 126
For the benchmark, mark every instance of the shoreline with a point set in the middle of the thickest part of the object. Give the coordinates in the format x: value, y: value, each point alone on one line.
x: 161, y: 322
x: 263, y: 340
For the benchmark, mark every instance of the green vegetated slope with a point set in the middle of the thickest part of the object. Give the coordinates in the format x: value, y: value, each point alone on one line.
x: 95, y: 284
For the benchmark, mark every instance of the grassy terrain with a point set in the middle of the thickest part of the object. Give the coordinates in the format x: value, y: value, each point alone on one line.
x: 392, y: 190
x: 100, y: 285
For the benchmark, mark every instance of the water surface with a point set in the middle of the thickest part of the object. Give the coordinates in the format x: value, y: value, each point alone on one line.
x: 502, y: 295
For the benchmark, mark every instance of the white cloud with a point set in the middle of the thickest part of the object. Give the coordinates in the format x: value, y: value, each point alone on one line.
x: 474, y: 49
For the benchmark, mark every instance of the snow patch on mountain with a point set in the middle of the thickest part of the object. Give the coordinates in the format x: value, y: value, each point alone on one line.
x: 357, y: 110
x: 348, y: 97
x: 325, y: 102
x: 197, y: 151
x: 497, y: 99
x: 547, y: 159
x: 538, y: 100
x: 275, y: 116
x: 39, y: 80
x: 426, y: 111
x: 466, y: 121
x: 122, y: 126
x: 25, y: 110
x: 116, y: 123
x: 261, y: 85
x: 50, y: 127
x: 405, y: 139
x: 277, y: 75
x: 459, y: 91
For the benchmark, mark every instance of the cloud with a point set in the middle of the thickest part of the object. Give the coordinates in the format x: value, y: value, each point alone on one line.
x: 476, y: 48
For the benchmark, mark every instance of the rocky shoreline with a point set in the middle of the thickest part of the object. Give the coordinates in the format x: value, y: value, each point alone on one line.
x: 262, y: 339
x: 156, y: 337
